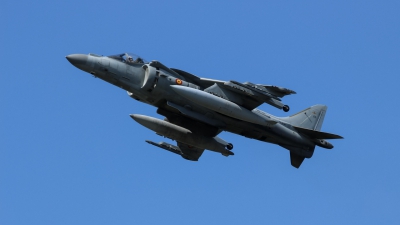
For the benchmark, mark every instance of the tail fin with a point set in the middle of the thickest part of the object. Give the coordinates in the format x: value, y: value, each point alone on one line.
x: 310, y: 118
x: 296, y: 160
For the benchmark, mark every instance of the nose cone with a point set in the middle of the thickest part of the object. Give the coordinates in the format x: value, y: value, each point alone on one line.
x: 79, y: 60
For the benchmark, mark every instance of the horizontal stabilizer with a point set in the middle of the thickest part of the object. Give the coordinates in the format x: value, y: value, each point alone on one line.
x: 317, y: 134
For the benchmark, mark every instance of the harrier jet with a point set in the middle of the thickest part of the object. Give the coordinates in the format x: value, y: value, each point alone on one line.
x: 197, y: 109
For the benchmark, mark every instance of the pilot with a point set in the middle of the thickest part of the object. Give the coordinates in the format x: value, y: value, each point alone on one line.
x: 139, y: 60
x: 130, y: 59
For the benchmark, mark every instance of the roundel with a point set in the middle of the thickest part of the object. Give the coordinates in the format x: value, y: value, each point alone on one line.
x: 178, y: 81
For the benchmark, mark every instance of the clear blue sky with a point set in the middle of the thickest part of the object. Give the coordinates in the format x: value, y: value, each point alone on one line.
x: 70, y: 153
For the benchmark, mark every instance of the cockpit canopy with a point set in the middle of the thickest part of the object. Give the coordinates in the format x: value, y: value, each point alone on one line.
x: 128, y: 58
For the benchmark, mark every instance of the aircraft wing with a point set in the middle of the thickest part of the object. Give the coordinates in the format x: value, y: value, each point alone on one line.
x: 246, y: 94
x: 249, y: 95
x: 203, y: 83
x: 277, y: 91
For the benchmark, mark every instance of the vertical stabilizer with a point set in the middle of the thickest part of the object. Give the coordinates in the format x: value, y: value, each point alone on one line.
x: 310, y: 118
x: 296, y: 160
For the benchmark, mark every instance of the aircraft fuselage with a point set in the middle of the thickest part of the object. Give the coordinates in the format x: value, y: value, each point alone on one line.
x: 153, y: 84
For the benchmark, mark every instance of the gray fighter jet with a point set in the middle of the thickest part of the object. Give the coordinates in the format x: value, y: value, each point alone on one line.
x: 197, y: 109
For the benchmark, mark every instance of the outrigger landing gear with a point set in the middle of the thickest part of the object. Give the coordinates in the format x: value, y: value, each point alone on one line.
x: 286, y: 108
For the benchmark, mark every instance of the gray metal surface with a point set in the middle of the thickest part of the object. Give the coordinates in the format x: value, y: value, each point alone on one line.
x: 198, y: 109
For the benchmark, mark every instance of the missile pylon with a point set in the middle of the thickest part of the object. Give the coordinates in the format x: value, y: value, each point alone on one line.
x: 183, y: 135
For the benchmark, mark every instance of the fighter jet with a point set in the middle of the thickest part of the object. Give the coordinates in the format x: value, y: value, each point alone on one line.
x: 197, y: 109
